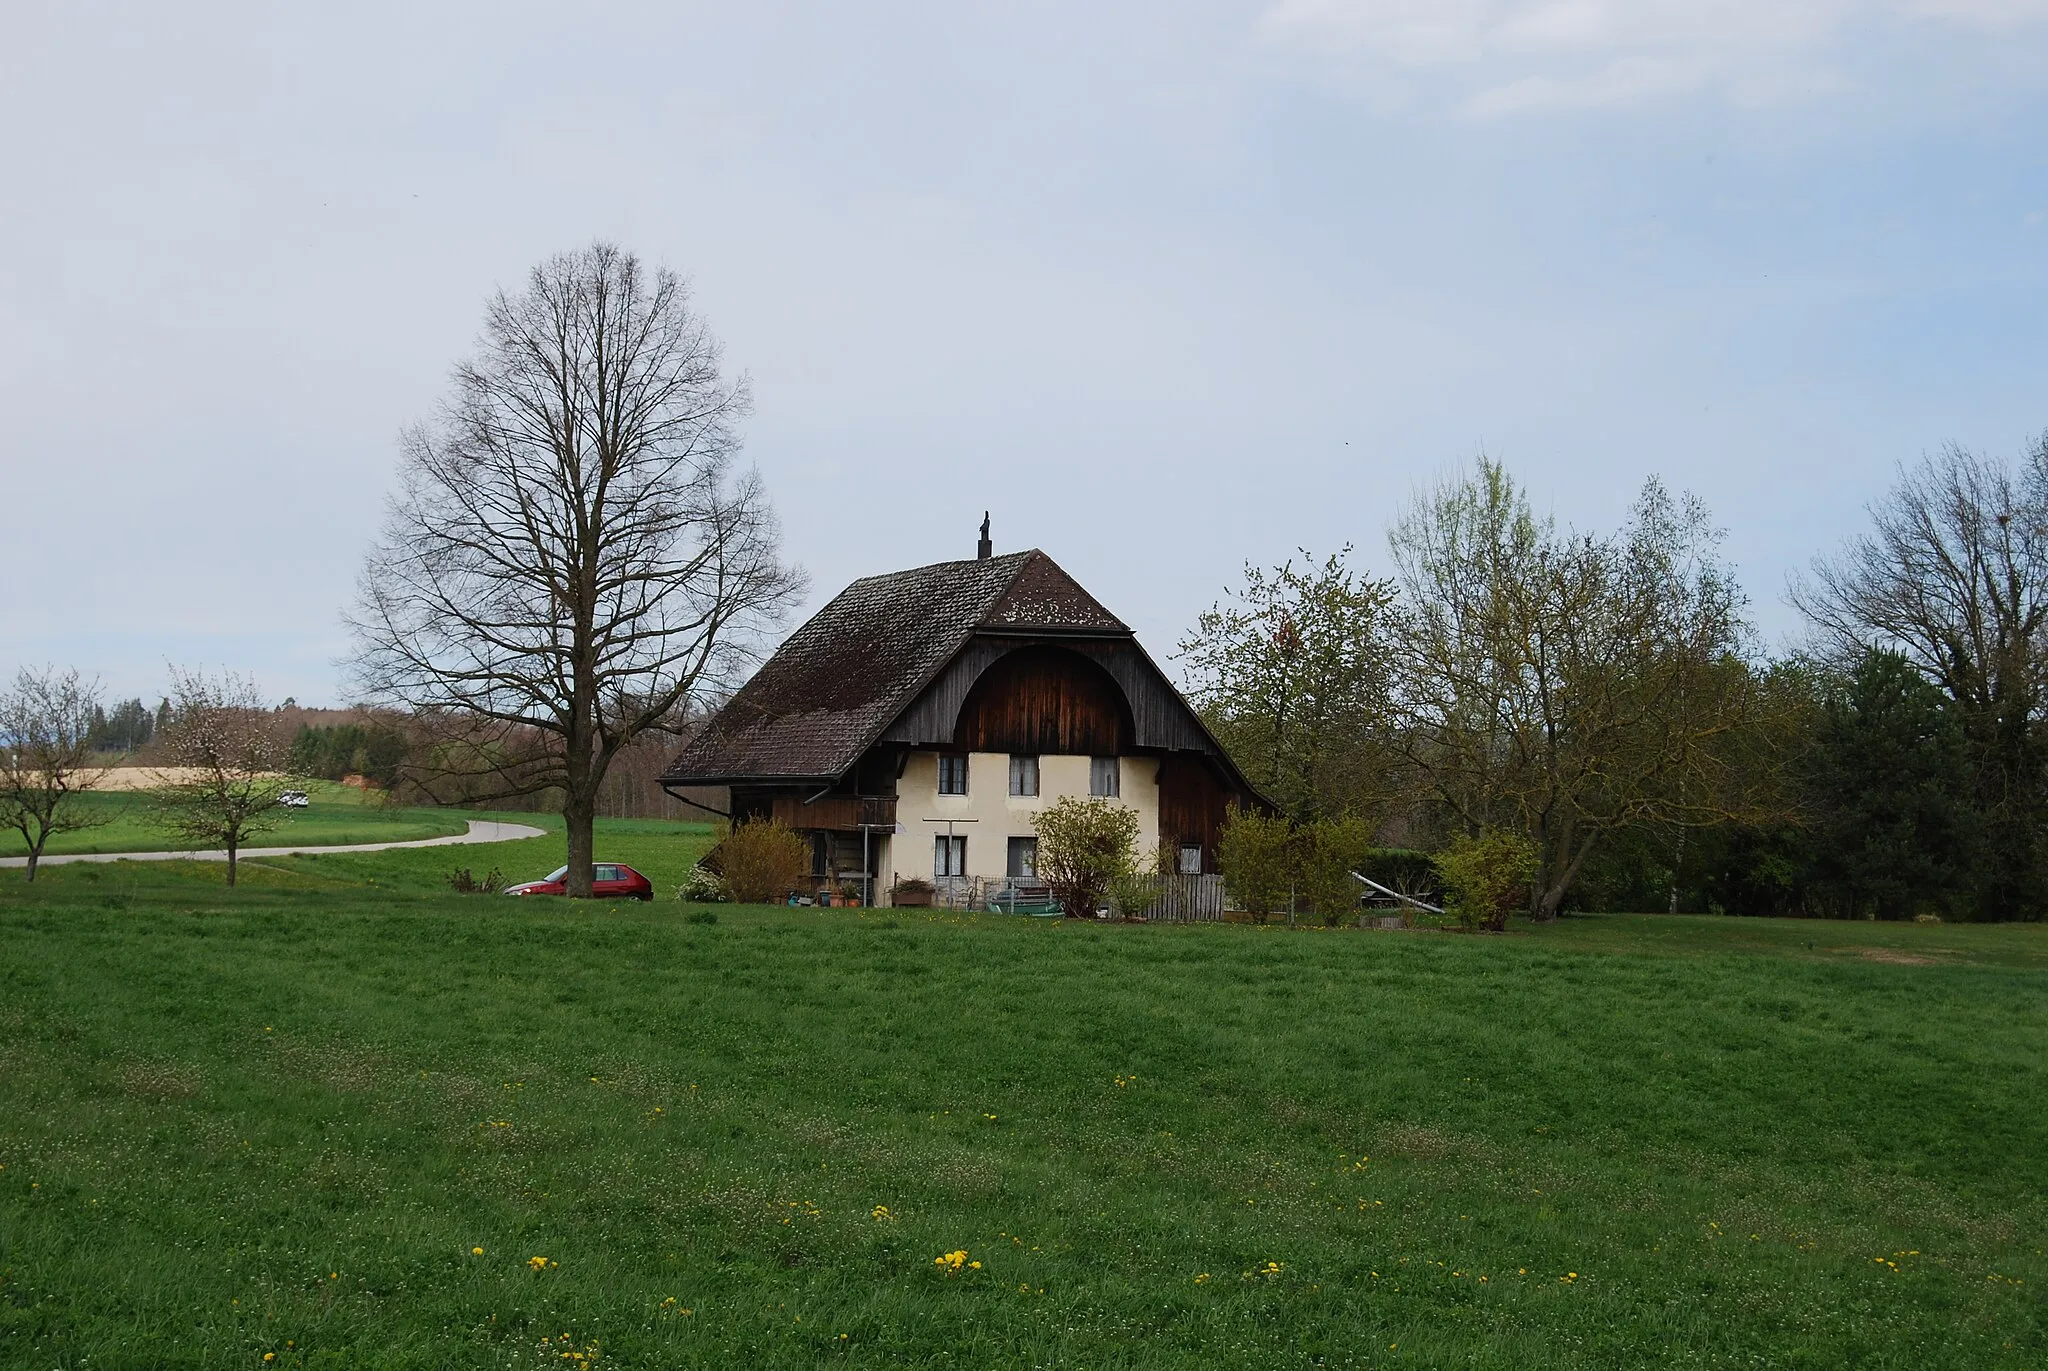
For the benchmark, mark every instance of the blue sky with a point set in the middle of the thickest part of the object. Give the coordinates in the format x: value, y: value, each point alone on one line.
x: 1167, y: 287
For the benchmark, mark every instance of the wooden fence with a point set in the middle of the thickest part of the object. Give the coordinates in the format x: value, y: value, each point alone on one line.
x: 1187, y: 899
x: 1176, y: 899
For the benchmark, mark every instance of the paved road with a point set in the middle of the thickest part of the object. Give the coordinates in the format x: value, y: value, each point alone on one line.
x: 480, y: 831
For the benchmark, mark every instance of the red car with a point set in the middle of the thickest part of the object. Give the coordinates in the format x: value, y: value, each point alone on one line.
x: 609, y: 881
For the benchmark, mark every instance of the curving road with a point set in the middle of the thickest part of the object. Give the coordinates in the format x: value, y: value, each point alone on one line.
x: 480, y: 831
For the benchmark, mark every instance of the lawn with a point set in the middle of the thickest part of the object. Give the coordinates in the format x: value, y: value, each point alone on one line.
x: 337, y: 815
x: 338, y: 1118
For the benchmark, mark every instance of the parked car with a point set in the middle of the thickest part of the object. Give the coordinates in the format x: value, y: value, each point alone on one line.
x: 609, y: 881
x: 293, y: 799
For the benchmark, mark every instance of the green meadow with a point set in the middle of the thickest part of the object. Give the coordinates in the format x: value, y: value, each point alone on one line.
x: 342, y: 1117
x: 336, y: 816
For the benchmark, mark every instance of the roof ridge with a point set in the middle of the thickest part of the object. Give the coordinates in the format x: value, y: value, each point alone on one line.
x: 1021, y: 556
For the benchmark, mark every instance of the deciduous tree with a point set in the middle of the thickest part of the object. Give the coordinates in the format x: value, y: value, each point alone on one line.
x: 571, y: 558
x: 223, y: 764
x: 46, y: 724
x: 1565, y: 685
x: 1290, y: 675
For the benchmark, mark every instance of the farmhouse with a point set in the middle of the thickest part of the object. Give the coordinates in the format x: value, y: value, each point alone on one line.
x: 918, y: 723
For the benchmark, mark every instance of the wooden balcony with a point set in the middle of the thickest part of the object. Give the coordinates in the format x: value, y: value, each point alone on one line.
x: 837, y: 813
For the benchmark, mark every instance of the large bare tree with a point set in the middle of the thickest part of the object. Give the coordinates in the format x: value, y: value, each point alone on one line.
x: 46, y: 755
x: 571, y: 558
x: 1954, y: 575
x: 1566, y: 685
x: 224, y: 764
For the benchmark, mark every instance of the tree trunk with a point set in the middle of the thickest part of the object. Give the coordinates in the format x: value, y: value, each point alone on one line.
x: 578, y: 811
x: 35, y: 855
x: 232, y: 845
x: 1560, y: 884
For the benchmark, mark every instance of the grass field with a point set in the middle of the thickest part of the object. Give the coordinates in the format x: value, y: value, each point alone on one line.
x: 336, y: 815
x: 335, y: 1118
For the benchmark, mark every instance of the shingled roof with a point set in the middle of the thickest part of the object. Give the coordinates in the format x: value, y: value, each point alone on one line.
x: 829, y: 691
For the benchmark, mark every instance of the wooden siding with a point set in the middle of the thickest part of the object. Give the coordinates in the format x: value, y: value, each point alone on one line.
x: 835, y: 813
x: 839, y: 813
x: 1159, y: 718
x: 1045, y: 700
x: 1193, y: 802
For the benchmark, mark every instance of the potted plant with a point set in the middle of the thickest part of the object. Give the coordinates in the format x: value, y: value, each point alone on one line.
x: 912, y: 892
x: 849, y: 895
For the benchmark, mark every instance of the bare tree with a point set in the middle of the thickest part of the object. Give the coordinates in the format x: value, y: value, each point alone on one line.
x: 46, y: 722
x: 1564, y: 685
x: 571, y: 558
x: 224, y: 764
x: 1954, y: 575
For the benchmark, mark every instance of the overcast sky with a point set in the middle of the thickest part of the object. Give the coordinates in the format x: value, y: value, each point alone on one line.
x: 1165, y: 286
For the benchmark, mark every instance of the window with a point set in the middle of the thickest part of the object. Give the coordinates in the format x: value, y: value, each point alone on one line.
x: 1024, y: 858
x: 952, y: 774
x: 1190, y: 859
x: 949, y: 856
x: 1104, y: 776
x: 1023, y: 775
x: 604, y: 873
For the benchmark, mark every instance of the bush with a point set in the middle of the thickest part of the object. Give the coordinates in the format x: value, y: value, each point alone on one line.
x: 1084, y: 845
x: 762, y: 860
x: 1133, y: 891
x: 1329, y: 850
x: 1487, y: 878
x: 1256, y: 852
x: 703, y: 886
x: 466, y: 883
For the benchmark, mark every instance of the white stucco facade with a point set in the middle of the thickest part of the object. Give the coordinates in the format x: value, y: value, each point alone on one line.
x: 988, y: 816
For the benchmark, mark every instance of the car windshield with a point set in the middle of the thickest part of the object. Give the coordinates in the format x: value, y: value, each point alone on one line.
x: 557, y: 873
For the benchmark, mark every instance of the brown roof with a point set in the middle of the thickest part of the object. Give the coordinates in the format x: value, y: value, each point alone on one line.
x: 830, y: 690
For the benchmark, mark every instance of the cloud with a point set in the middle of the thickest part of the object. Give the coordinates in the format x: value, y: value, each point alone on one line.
x: 1509, y: 56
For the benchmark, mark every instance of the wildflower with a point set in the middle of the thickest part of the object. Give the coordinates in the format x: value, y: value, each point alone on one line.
x: 1202, y: 1279
x: 539, y: 1263
x: 270, y: 1356
x: 476, y: 1251
x: 952, y: 1262
x: 880, y: 1213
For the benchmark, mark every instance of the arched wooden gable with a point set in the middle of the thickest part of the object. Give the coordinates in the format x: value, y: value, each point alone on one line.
x: 1045, y: 700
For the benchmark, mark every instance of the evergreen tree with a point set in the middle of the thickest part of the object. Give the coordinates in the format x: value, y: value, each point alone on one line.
x: 1890, y: 789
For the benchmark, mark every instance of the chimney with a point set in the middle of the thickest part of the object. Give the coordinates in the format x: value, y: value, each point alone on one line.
x: 984, y: 549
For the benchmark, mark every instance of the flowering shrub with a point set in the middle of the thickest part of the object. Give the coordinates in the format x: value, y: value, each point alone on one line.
x: 703, y: 886
x: 761, y: 861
